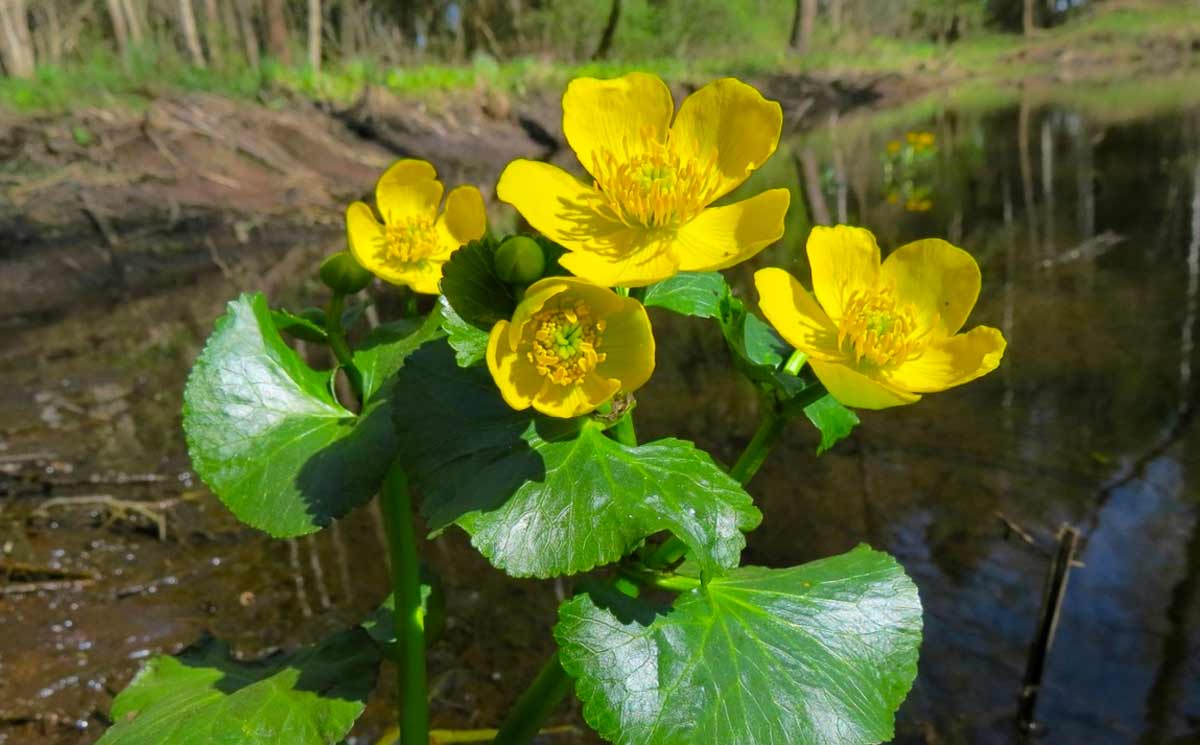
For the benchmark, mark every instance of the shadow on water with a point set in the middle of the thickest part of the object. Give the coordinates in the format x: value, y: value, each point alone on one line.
x: 1087, y: 228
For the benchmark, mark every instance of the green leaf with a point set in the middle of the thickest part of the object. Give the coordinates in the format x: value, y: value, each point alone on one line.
x: 689, y: 293
x: 266, y: 434
x: 832, y: 419
x: 383, y: 352
x: 381, y: 624
x: 472, y: 287
x: 543, y: 497
x: 298, y: 326
x: 469, y: 343
x: 309, y: 697
x: 820, y: 653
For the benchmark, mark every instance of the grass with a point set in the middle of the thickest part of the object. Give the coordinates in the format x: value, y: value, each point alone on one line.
x: 985, y: 58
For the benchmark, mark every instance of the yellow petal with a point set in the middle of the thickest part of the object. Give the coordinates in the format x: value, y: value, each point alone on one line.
x: 464, y: 219
x: 517, y: 380
x: 566, y: 401
x: 600, y: 300
x: 535, y: 297
x: 561, y: 207
x: 953, y: 361
x: 628, y: 346
x: 730, y: 122
x: 939, y: 279
x: 795, y: 315
x: 843, y: 259
x: 409, y: 188
x: 422, y: 277
x: 615, y: 116
x: 856, y: 390
x: 720, y: 237
x: 367, y: 238
x: 633, y: 258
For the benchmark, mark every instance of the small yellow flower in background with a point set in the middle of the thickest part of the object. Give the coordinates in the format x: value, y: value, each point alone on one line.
x: 893, y: 147
x: 921, y: 140
x: 413, y: 241
x: 571, y: 345
x: 918, y: 205
x: 646, y: 217
x: 882, y: 334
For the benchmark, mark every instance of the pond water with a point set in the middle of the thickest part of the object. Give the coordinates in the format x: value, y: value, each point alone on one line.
x: 1085, y: 218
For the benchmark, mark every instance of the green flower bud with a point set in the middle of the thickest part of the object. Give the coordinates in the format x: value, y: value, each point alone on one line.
x: 341, y: 273
x: 519, y: 260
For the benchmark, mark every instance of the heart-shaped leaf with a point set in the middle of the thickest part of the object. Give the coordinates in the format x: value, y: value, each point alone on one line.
x: 822, y: 653
x: 696, y: 294
x: 309, y: 697
x: 543, y: 497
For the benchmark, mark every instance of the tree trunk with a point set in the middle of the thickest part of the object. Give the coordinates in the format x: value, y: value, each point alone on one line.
x: 1028, y: 18
x: 212, y: 31
x: 133, y: 21
x: 835, y: 15
x: 314, y: 35
x: 610, y: 31
x: 15, y: 48
x: 277, y: 32
x: 120, y: 31
x: 245, y: 15
x: 346, y: 29
x: 187, y: 24
x: 803, y: 23
x: 54, y: 41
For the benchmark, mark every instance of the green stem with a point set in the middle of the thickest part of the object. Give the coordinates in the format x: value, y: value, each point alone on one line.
x: 410, y: 616
x: 537, y: 703
x: 769, y: 429
x: 795, y: 362
x: 624, y: 432
x: 662, y: 580
x: 337, y: 340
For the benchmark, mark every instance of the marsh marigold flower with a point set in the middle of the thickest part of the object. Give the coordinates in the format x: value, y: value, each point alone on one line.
x: 646, y: 214
x: 571, y: 345
x: 882, y: 334
x: 413, y: 242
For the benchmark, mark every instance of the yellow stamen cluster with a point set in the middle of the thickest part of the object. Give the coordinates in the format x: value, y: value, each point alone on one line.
x: 878, y: 331
x: 408, y: 241
x: 653, y: 187
x: 564, y: 343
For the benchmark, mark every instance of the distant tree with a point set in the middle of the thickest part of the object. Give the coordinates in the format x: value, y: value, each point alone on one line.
x: 277, y: 32
x: 803, y: 23
x: 1028, y: 18
x: 610, y: 31
x: 314, y: 35
x: 187, y: 24
x: 16, y: 48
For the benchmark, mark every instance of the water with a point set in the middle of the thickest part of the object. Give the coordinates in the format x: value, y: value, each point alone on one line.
x: 1085, y: 218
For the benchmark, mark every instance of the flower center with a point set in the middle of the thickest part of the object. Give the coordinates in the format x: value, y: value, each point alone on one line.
x: 408, y: 241
x: 564, y: 344
x: 875, y: 329
x: 655, y: 188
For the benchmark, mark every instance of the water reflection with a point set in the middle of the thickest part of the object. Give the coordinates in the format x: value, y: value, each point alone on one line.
x: 1087, y: 232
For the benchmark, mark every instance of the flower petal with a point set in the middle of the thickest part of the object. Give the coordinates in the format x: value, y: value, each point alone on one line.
x: 615, y: 116
x: 567, y: 401
x: 464, y: 220
x: 843, y: 259
x: 939, y: 279
x: 795, y: 315
x: 409, y: 188
x: 366, y: 238
x: 535, y: 298
x: 730, y: 122
x: 628, y: 346
x: 856, y: 390
x: 517, y: 380
x: 953, y: 361
x: 720, y: 237
x: 632, y: 259
x: 561, y: 207
x: 422, y: 277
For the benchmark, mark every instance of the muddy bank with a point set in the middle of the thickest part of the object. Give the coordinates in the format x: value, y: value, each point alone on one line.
x: 112, y: 203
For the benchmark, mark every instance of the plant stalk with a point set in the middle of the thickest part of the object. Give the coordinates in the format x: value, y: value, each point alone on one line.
x: 769, y: 429
x: 337, y: 341
x: 537, y: 703
x: 410, y: 615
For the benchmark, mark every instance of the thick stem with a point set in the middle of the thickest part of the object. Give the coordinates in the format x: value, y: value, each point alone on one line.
x: 537, y: 703
x: 410, y: 616
x: 751, y: 459
x: 795, y: 362
x: 624, y: 432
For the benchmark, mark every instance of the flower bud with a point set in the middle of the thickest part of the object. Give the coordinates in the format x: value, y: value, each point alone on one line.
x: 341, y: 273
x: 519, y: 260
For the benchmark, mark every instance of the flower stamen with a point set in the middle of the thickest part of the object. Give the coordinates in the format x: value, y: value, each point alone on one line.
x: 878, y: 331
x: 408, y: 241
x: 564, y: 341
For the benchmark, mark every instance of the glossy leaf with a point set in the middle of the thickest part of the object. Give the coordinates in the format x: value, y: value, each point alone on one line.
x: 833, y: 420
x: 474, y: 289
x: 544, y: 497
x: 309, y: 697
x: 689, y: 293
x: 266, y: 434
x: 469, y: 342
x: 299, y: 326
x: 822, y: 653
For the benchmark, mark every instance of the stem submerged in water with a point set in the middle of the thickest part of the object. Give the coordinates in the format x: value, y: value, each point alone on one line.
x: 409, y: 614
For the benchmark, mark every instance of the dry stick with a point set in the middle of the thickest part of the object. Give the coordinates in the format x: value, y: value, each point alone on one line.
x: 1052, y: 599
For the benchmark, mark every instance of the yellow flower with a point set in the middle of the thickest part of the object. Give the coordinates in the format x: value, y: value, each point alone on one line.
x: 646, y: 217
x: 413, y: 241
x: 570, y: 347
x: 882, y: 334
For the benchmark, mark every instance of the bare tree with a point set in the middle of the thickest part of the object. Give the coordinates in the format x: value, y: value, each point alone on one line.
x: 314, y: 35
x: 187, y: 24
x: 610, y: 31
x: 245, y: 17
x: 213, y: 31
x: 1028, y: 17
x: 277, y: 32
x: 16, y: 48
x: 116, y: 14
x: 803, y: 23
